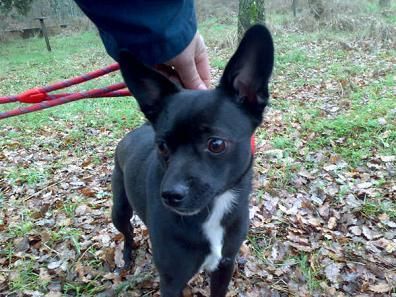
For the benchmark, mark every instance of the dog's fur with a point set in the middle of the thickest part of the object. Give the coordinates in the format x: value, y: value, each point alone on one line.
x: 188, y: 173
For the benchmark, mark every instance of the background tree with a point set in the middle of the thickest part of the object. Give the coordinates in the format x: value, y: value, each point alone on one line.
x: 21, y: 6
x: 250, y: 12
x: 316, y: 7
x: 294, y: 7
x: 384, y: 3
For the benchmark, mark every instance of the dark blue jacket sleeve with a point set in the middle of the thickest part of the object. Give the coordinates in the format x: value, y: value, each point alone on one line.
x: 155, y: 31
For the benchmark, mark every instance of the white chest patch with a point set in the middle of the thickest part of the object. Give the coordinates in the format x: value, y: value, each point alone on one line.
x: 213, y: 230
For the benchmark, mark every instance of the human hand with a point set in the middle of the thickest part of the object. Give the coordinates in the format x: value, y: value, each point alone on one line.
x: 192, y: 65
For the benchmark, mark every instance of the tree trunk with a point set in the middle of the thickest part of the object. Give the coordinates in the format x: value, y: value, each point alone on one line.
x: 316, y: 7
x: 384, y: 3
x: 294, y: 7
x: 250, y: 12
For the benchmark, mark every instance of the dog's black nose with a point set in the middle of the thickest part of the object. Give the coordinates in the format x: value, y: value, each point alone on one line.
x: 175, y: 195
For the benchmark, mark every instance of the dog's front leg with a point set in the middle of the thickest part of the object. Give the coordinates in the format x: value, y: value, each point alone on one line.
x: 175, y: 274
x: 171, y: 286
x: 221, y: 277
x: 122, y: 213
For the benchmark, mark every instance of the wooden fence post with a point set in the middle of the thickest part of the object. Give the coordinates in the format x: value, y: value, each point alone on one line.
x: 45, y: 33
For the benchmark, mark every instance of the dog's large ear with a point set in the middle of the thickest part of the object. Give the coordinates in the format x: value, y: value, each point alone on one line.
x: 247, y: 73
x: 148, y: 86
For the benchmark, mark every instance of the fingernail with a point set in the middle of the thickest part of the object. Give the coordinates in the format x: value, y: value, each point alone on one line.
x: 202, y: 87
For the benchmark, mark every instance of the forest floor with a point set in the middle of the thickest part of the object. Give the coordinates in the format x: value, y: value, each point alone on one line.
x: 323, y: 209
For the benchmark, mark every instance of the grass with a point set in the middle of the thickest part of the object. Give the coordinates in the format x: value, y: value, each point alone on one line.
x: 281, y: 175
x: 218, y: 30
x: 25, y: 65
x: 90, y: 288
x: 27, y: 278
x: 218, y: 63
x: 283, y: 142
x: 21, y: 229
x: 307, y: 268
x: 260, y: 245
x: 133, y: 282
x: 30, y: 176
x: 357, y: 134
x: 374, y: 207
x: 296, y: 56
x: 69, y: 233
x: 69, y: 209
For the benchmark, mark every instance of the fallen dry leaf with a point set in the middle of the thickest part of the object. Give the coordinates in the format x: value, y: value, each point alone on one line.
x: 388, y: 158
x: 332, y: 223
x: 87, y: 192
x: 356, y: 230
x: 332, y: 272
x: 380, y: 288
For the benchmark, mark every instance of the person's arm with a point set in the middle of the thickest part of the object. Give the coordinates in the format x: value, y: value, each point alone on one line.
x: 155, y: 31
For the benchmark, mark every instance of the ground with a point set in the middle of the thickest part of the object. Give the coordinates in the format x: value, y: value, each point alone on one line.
x: 323, y: 209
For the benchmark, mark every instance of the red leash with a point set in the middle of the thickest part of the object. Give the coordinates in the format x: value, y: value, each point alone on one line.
x: 42, y: 100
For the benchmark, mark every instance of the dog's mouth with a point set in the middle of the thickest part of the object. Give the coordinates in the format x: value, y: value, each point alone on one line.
x: 183, y: 211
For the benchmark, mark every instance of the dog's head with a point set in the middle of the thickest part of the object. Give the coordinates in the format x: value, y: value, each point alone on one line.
x: 203, y: 137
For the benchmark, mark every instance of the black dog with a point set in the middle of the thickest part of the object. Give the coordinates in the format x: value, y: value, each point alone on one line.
x: 188, y: 173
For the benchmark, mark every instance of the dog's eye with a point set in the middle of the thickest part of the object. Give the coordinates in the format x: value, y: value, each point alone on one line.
x: 163, y: 149
x: 216, y: 145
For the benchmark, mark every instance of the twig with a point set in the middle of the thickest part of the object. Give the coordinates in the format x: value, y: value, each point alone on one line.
x: 51, y: 249
x: 342, y: 89
x: 43, y: 189
x: 87, y: 249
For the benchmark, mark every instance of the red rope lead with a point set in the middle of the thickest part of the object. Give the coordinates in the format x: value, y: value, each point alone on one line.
x: 82, y: 78
x: 36, y: 95
x: 43, y: 100
x: 117, y: 93
x: 62, y: 100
